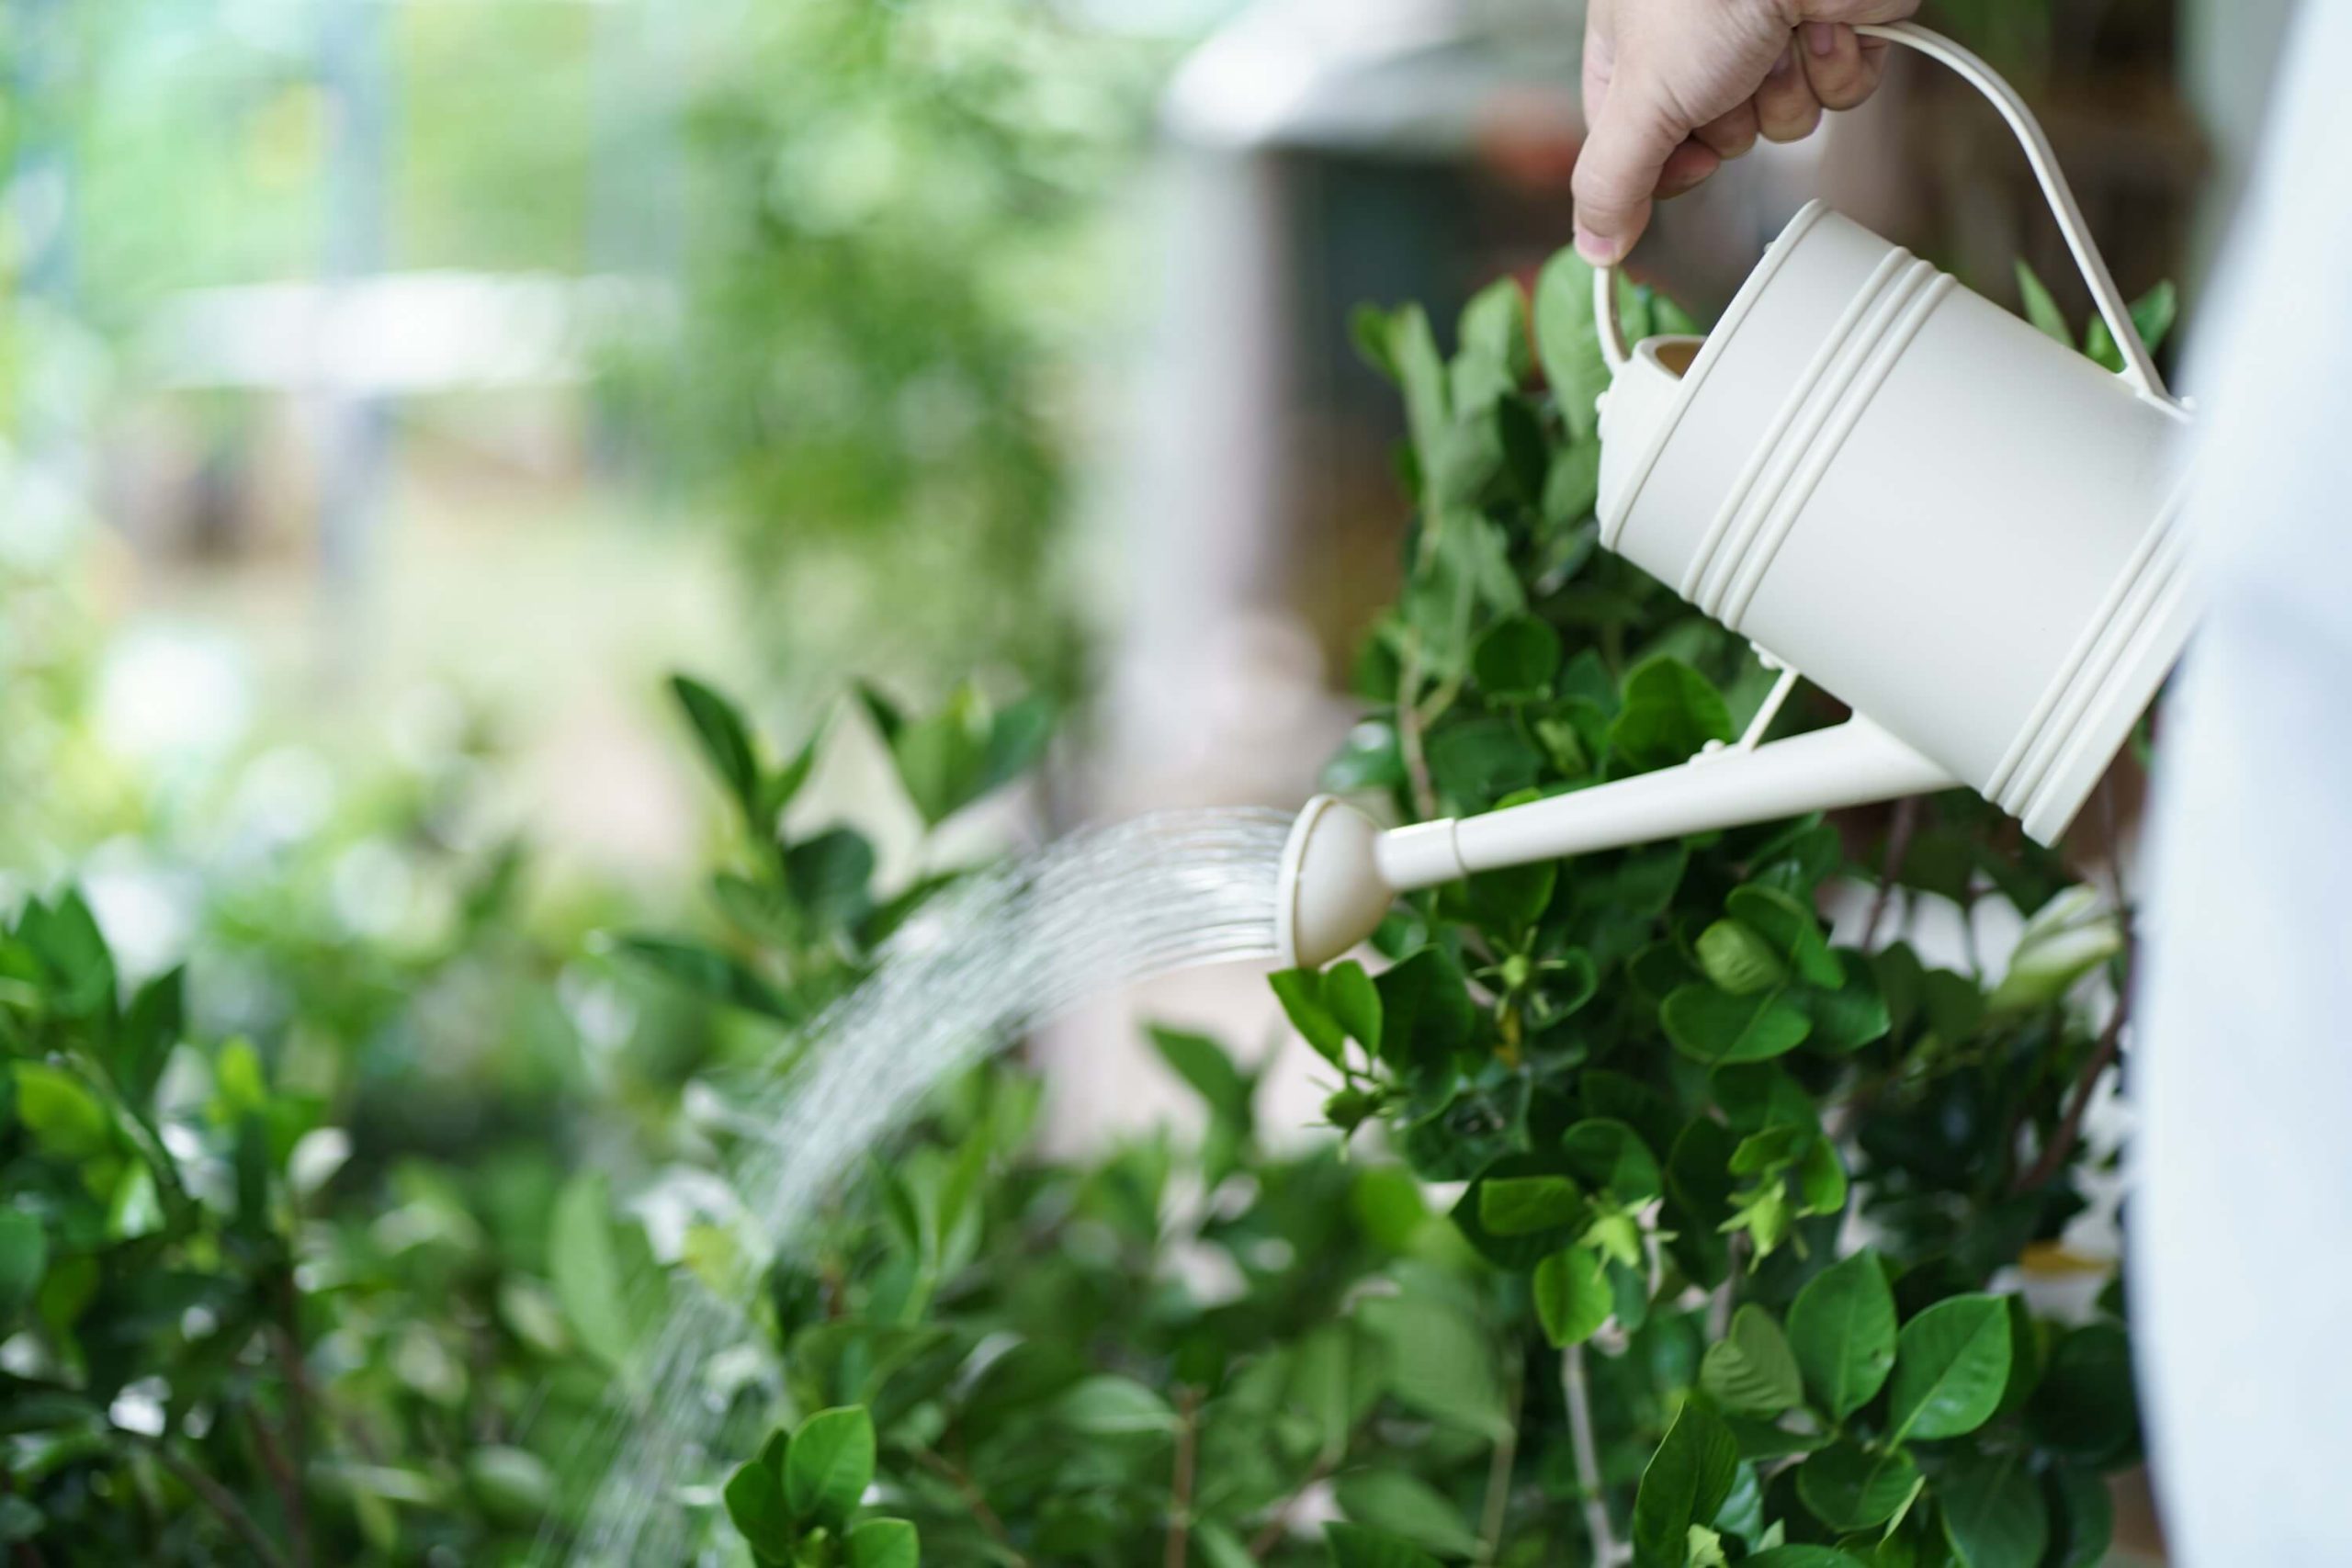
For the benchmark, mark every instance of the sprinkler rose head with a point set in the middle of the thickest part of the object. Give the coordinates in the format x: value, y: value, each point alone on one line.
x: 1332, y: 893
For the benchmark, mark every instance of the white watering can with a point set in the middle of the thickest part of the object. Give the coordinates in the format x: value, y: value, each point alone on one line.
x: 1957, y: 527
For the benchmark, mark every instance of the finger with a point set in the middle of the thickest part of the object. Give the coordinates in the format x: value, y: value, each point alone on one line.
x: 1833, y: 65
x: 1730, y: 135
x: 1616, y: 174
x: 1686, y: 166
x: 1786, y: 109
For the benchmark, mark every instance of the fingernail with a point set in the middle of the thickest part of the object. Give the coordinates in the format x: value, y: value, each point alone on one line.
x: 1787, y: 62
x: 1594, y: 249
x: 1821, y: 38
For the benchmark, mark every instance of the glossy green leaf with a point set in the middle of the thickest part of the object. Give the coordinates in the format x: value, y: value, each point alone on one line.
x: 1670, y: 712
x: 1572, y: 1295
x: 1751, y: 1370
x: 1851, y: 1488
x: 829, y: 1465
x: 1115, y: 1406
x: 1301, y: 993
x: 1841, y: 1329
x: 1950, y: 1364
x: 885, y: 1544
x: 1354, y: 1001
x: 1517, y: 658
x: 726, y: 742
x: 1567, y: 341
x: 1439, y: 1362
x: 1400, y: 1503
x: 1610, y: 1156
x: 1523, y: 1206
x: 2040, y: 309
x: 1993, y: 1513
x: 1738, y: 959
x: 1685, y: 1481
x: 754, y: 1497
x: 1716, y: 1027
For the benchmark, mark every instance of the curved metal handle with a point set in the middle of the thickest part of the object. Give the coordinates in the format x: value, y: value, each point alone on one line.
x: 2139, y: 370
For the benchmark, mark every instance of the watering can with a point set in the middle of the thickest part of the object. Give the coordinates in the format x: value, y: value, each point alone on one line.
x: 1957, y: 527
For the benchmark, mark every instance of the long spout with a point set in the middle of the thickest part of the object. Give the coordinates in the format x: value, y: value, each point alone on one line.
x: 1340, y: 872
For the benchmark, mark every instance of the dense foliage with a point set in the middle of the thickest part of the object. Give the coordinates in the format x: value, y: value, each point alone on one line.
x: 1665, y: 1229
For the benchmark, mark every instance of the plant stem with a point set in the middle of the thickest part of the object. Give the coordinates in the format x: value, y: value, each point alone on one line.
x: 1499, y: 1474
x: 2061, y: 1146
x: 1179, y: 1488
x: 282, y: 1480
x: 215, y: 1497
x: 1605, y: 1554
x: 987, y: 1515
x: 1408, y: 731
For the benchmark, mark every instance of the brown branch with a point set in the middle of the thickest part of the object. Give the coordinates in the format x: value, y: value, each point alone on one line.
x: 2061, y: 1146
x: 987, y: 1515
x: 215, y: 1497
x: 1180, y: 1486
x: 1898, y: 847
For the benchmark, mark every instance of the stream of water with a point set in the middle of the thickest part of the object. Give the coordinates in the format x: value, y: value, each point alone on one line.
x: 978, y: 966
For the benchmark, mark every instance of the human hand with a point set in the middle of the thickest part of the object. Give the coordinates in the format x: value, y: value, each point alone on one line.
x: 1674, y: 87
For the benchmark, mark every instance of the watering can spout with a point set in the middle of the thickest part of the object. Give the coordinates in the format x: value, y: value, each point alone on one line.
x: 1341, y: 870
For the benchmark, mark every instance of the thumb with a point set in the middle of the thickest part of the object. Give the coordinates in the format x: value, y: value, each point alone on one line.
x: 1616, y: 174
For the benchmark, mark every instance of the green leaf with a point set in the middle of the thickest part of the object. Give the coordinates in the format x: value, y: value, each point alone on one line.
x: 1352, y: 1546
x: 754, y: 1496
x: 941, y: 759
x: 1354, y: 1000
x: 2152, y: 319
x: 1610, y: 1156
x: 1017, y: 741
x: 708, y: 971
x: 1572, y: 488
x: 1523, y: 1206
x: 1994, y: 1515
x: 885, y: 1544
x: 829, y: 1465
x: 1220, y: 1547
x: 1670, y: 712
x: 1399, y: 1504
x: 2086, y: 1404
x: 1801, y: 1557
x: 66, y: 937
x: 1425, y: 1009
x: 1950, y: 1364
x: 1201, y: 1062
x: 1716, y: 1027
x: 2040, y: 308
x: 586, y: 1271
x: 727, y: 746
x: 1440, y: 1362
x: 1847, y: 1018
x: 1841, y: 1328
x: 1821, y: 1180
x: 24, y: 1258
x: 64, y: 1118
x: 1850, y: 1488
x: 1115, y: 1407
x: 1789, y: 925
x: 1572, y: 1295
x: 1301, y: 994
x: 2086, y: 1521
x: 1738, y: 959
x: 1567, y: 341
x: 828, y: 874
x: 1685, y: 1482
x: 1752, y: 1372
x: 1517, y: 658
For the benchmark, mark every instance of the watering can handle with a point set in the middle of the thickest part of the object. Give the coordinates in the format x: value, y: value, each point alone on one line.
x: 2138, y: 368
